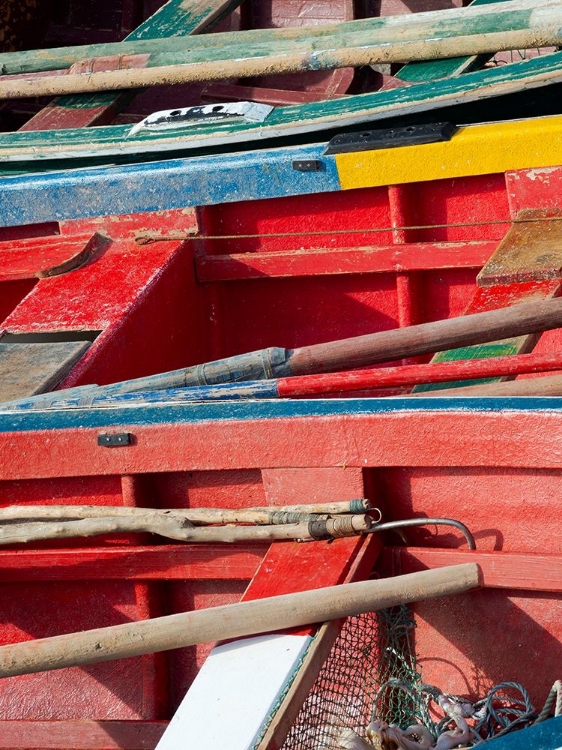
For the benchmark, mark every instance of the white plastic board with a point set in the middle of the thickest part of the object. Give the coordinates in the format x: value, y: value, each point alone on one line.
x: 234, y: 693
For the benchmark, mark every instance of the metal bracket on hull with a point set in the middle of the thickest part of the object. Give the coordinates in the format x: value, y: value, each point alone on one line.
x: 411, y: 135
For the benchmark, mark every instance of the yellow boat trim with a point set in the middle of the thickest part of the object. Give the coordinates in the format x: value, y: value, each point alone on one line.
x: 473, y: 150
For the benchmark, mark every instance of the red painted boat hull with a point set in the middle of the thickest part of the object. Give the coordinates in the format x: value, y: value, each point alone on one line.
x: 169, y: 304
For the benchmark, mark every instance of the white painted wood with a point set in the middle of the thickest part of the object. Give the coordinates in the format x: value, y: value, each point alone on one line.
x: 234, y: 693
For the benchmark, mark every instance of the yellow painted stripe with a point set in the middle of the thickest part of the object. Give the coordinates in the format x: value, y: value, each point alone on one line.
x: 473, y: 150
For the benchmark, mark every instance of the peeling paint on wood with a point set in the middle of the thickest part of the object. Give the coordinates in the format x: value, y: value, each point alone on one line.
x: 316, y: 116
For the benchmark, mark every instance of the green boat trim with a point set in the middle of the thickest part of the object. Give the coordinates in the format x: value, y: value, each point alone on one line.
x: 311, y: 118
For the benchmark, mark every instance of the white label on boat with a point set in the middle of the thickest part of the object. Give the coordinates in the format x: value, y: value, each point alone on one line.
x: 176, y: 119
x: 234, y: 694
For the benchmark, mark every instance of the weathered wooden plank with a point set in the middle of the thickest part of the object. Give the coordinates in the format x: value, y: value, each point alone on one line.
x: 473, y: 150
x: 156, y: 563
x: 276, y: 434
x: 175, y: 18
x: 473, y: 32
x: 421, y: 256
x: 546, y: 385
x: 27, y: 369
x: 504, y: 570
x: 432, y: 70
x: 317, y: 116
x: 81, y: 735
x: 173, y: 185
x: 530, y: 251
x: 444, y: 23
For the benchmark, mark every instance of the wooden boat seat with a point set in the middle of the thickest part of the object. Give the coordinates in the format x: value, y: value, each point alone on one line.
x: 30, y: 368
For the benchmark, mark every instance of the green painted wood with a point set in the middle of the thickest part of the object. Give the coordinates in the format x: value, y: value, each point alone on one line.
x: 176, y: 18
x: 116, y: 140
x: 28, y: 369
x: 417, y: 72
x: 517, y: 14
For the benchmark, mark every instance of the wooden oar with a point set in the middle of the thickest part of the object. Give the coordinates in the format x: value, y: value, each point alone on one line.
x: 240, y: 62
x: 233, y: 620
x: 360, y: 351
x: 312, y: 385
x: 510, y: 16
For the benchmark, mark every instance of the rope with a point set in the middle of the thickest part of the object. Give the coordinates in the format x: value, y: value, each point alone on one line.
x: 180, y: 236
x: 554, y: 699
x: 492, y: 720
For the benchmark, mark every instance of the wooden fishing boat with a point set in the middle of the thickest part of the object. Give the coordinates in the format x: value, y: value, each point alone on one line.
x: 116, y: 273
x: 306, y: 121
x: 85, y: 301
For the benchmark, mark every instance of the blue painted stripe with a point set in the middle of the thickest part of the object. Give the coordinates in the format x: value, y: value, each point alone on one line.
x: 544, y: 736
x: 158, y: 414
x: 91, y: 398
x: 156, y: 186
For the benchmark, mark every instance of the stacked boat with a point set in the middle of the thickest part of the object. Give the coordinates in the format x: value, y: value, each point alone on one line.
x: 280, y: 368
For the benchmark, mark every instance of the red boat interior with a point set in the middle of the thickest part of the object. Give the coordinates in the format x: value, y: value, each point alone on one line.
x: 301, y: 270
x: 224, y: 280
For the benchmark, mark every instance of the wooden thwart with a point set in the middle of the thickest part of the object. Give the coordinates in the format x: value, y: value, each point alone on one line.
x: 233, y: 621
x: 28, y: 369
x: 530, y: 251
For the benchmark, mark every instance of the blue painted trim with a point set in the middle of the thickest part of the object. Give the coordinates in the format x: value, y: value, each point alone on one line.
x: 93, y: 397
x: 157, y: 186
x: 159, y: 414
x: 544, y: 736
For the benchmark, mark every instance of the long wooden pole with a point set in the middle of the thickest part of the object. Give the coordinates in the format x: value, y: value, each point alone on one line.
x: 196, y: 516
x: 233, y: 620
x: 284, y: 61
x: 405, y: 375
x: 543, y: 386
x: 455, y: 22
x: 529, y: 317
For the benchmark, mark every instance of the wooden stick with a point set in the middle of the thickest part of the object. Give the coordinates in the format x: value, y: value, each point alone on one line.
x: 283, y: 62
x: 529, y: 317
x: 274, y: 515
x: 318, y: 528
x: 450, y: 23
x: 543, y: 386
x: 233, y: 620
x: 433, y: 372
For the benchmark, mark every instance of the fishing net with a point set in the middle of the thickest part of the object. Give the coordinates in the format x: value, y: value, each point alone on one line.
x: 371, y: 650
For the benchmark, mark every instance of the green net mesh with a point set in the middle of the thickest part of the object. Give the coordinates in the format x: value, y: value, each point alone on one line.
x: 371, y: 650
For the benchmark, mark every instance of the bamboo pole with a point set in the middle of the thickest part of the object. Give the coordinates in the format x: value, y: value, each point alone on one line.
x: 317, y: 528
x: 443, y: 23
x: 268, y: 515
x: 281, y: 62
x: 233, y: 620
